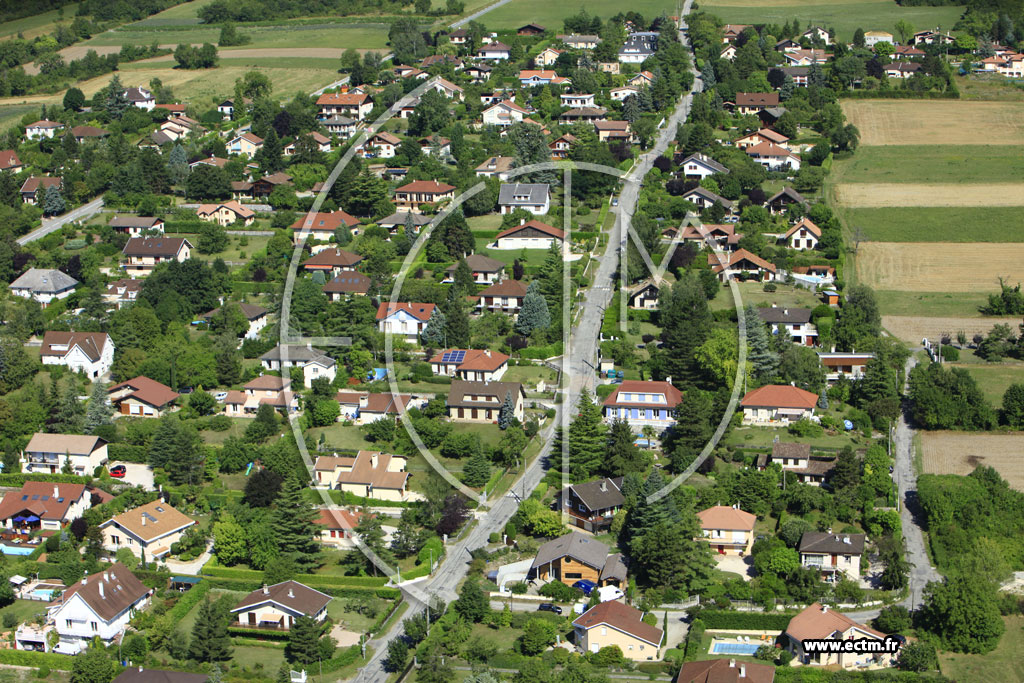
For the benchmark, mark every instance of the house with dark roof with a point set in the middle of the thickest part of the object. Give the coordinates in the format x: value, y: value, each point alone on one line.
x: 614, y: 623
x: 778, y: 404
x: 836, y: 556
x: 795, y: 321
x: 643, y: 403
x: 705, y: 199
x: 495, y: 51
x: 140, y: 97
x: 42, y: 129
x: 583, y: 115
x: 742, y: 264
x: 560, y: 147
x: 725, y: 671
x: 47, y: 453
x: 142, y: 397
x: 43, y: 505
x: 405, y: 220
x: 486, y: 270
x: 277, y: 607
x: 98, y: 606
x: 370, y: 474
x: 85, y: 133
x: 643, y: 296
x: 143, y: 254
x: 579, y: 41
x: 796, y: 459
x: 574, y: 557
x: 701, y: 166
x: 333, y: 261
x: 472, y: 365
x: 405, y: 319
x: 820, y: 622
x: 342, y: 126
x: 481, y: 402
x: 781, y: 200
x: 532, y: 234
x: 534, y: 197
x: 147, y: 531
x: 754, y: 102
x: 256, y: 315
x: 799, y: 74
x: 364, y: 407
x: 135, y: 226
x: 592, y: 505
x: 639, y: 47
x: 91, y: 353
x: 314, y: 362
x: 345, y: 284
x: 722, y: 235
x: 412, y: 196
x: 612, y: 131
x: 43, y: 285
x: 505, y: 296
x: 31, y: 187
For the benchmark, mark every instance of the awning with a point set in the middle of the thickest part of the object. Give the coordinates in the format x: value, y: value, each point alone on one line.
x: 31, y: 518
x: 19, y: 518
x: 791, y: 411
x: 17, y: 579
x: 185, y: 579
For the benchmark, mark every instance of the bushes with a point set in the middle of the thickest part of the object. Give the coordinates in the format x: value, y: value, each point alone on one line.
x: 693, y: 640
x: 124, y: 452
x: 187, y: 601
x: 36, y: 659
x: 17, y: 480
x: 743, y: 621
x: 558, y: 591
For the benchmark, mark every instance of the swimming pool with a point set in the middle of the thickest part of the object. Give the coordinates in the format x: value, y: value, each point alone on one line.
x: 17, y: 549
x: 734, y: 648
x: 42, y: 593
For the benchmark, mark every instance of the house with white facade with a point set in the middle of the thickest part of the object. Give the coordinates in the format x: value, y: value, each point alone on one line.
x: 803, y: 235
x: 834, y: 555
x: 314, y: 362
x: 141, y: 98
x: 485, y: 270
x: 404, y: 319
x: 43, y: 129
x: 529, y: 235
x: 503, y: 114
x: 278, y: 606
x: 643, y: 403
x: 91, y: 353
x: 44, y: 285
x: 795, y: 321
x: 472, y: 365
x: 47, y: 453
x: 534, y: 197
x: 773, y: 157
x: 850, y: 365
x: 638, y: 47
x: 370, y: 474
x: 700, y: 166
x: 263, y: 390
x: 481, y: 402
x: 148, y: 531
x: 778, y: 404
x: 356, y: 105
x: 43, y: 505
x: 143, y: 254
x: 142, y: 397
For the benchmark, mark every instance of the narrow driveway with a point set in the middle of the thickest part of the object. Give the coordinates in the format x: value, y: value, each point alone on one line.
x: 82, y: 213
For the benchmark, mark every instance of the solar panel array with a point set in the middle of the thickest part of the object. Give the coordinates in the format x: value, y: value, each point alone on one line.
x: 456, y: 356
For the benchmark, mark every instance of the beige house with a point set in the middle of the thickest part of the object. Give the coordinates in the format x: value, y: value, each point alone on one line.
x: 142, y: 397
x: 481, y: 402
x: 371, y: 474
x: 834, y: 555
x: 47, y: 453
x: 42, y: 505
x: 613, y: 623
x: 474, y: 365
x: 226, y: 213
x: 796, y: 458
x: 266, y: 389
x: 278, y: 606
x: 819, y: 622
x: 730, y: 531
x: 778, y: 404
x: 148, y: 530
x: 142, y: 254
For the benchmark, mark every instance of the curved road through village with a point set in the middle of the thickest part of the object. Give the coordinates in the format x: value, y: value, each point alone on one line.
x: 583, y: 346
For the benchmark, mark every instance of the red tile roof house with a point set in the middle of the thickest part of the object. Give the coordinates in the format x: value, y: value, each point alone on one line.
x: 504, y: 297
x: 404, y: 319
x: 730, y: 531
x: 9, y: 161
x: 356, y: 105
x: 412, y: 195
x: 820, y: 622
x: 802, y: 236
x: 323, y: 224
x: 142, y: 397
x: 278, y: 606
x: 613, y: 623
x: 371, y: 474
x: 642, y: 404
x: 333, y: 261
x: 725, y: 671
x: 89, y: 352
x: 531, y: 234
x: 365, y: 407
x: 778, y: 404
x: 43, y: 505
x: 473, y: 365
x: 338, y: 527
x: 31, y: 187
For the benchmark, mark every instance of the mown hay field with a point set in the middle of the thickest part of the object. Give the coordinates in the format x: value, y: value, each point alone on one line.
x: 959, y: 453
x: 936, y: 122
x: 912, y: 329
x: 938, y: 267
x: 879, y: 195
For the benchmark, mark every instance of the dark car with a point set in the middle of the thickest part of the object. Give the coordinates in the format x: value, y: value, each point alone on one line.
x: 902, y: 640
x: 186, y: 390
x: 549, y: 607
x: 118, y: 471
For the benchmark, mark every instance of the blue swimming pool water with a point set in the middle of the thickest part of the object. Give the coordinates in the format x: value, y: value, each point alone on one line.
x: 734, y: 648
x: 41, y: 593
x: 17, y: 549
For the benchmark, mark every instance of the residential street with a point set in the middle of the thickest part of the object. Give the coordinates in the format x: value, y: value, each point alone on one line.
x: 583, y: 345
x: 82, y: 213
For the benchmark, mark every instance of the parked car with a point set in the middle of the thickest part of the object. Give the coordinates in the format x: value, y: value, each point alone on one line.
x: 186, y: 390
x: 118, y: 471
x: 549, y: 607
x: 731, y: 219
x: 607, y: 593
x: 586, y: 586
x: 220, y: 396
x: 615, y: 201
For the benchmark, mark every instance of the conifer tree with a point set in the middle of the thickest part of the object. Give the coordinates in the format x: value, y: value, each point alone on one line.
x: 433, y: 331
x: 763, y: 360
x: 507, y: 413
x: 456, y: 325
x: 53, y: 201
x: 534, y: 314
x: 117, y: 100
x: 586, y: 439
x: 623, y: 454
x: 210, y: 641
x: 304, y: 641
x: 477, y: 471
x: 463, y: 278
x: 294, y: 524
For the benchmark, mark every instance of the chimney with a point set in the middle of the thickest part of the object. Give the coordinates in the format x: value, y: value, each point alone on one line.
x: 291, y: 593
x: 373, y: 460
x: 85, y: 579
x: 487, y: 352
x: 143, y: 519
x: 140, y: 668
x: 824, y: 608
x: 732, y: 663
x: 604, y: 485
x: 785, y: 311
x: 106, y: 576
x: 522, y: 221
x: 266, y: 591
x: 743, y: 670
x: 56, y: 491
x: 100, y: 584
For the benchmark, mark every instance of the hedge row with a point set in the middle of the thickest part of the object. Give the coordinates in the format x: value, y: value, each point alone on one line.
x: 745, y: 621
x: 346, y: 657
x: 125, y: 452
x: 18, y: 480
x: 36, y: 659
x: 541, y: 352
x: 257, y: 634
x: 187, y: 601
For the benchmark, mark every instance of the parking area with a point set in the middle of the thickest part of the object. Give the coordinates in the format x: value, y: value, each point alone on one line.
x: 744, y: 566
x: 136, y: 474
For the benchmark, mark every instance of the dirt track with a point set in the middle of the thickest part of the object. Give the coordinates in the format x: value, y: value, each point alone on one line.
x: 882, y: 195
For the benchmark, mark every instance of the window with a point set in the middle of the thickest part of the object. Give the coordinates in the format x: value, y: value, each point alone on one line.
x: 116, y: 540
x: 94, y: 625
x: 604, y: 630
x: 573, y: 575
x: 68, y: 623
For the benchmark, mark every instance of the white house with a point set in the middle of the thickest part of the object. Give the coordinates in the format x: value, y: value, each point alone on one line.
x: 382, y: 145
x: 534, y: 197
x: 817, y: 33
x: 638, y: 47
x: 43, y: 285
x: 778, y: 404
x: 503, y: 114
x: 531, y: 77
x: 404, y: 319
x: 141, y: 98
x: 796, y: 322
x: 91, y: 353
x: 620, y: 94
x: 47, y: 453
x: 773, y: 157
x: 472, y: 365
x: 643, y: 403
x: 314, y: 362
x: 577, y: 100
x: 803, y: 236
x: 834, y: 555
x: 246, y: 144
x: 147, y: 531
x: 529, y: 235
x: 481, y: 402
x: 701, y: 166
x: 100, y: 605
x: 42, y: 129
x: 42, y: 505
x: 872, y: 38
x: 495, y: 52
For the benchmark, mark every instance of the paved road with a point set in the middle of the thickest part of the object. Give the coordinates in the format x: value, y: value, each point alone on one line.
x: 478, y: 14
x: 82, y: 213
x: 911, y: 516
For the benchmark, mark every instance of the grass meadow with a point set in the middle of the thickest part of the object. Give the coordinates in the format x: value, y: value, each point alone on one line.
x: 930, y: 164
x: 515, y: 14
x: 937, y: 224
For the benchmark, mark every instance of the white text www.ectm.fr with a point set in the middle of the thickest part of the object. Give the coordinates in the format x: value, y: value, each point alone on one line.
x: 853, y: 646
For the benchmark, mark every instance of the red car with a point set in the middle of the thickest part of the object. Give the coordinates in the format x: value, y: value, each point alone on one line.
x: 118, y: 471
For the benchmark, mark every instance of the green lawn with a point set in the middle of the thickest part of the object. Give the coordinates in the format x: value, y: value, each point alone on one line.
x: 338, y: 435
x: 930, y: 164
x: 24, y: 610
x: 189, y: 620
x: 989, y: 88
x: 934, y: 224
x: 238, y: 425
x: 37, y: 24
x: 938, y: 304
x: 11, y: 115
x: 1002, y: 665
x: 353, y: 621
x: 844, y: 17
x: 267, y: 659
x: 368, y: 36
x: 515, y: 14
x: 994, y: 379
x: 763, y: 437
x: 753, y: 293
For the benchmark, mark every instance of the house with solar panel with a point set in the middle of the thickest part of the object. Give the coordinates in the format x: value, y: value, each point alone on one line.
x: 345, y: 284
x: 43, y: 505
x: 473, y: 365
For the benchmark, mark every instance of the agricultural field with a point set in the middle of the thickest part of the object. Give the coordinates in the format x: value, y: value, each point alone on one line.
x: 960, y: 304
x: 960, y: 453
x: 995, y: 378
x: 336, y: 36
x: 515, y: 14
x: 1001, y: 665
x: 912, y: 329
x: 938, y: 267
x: 931, y: 223
x: 915, y: 164
x: 845, y: 16
x: 874, y: 195
x: 37, y: 25
x: 936, y: 122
